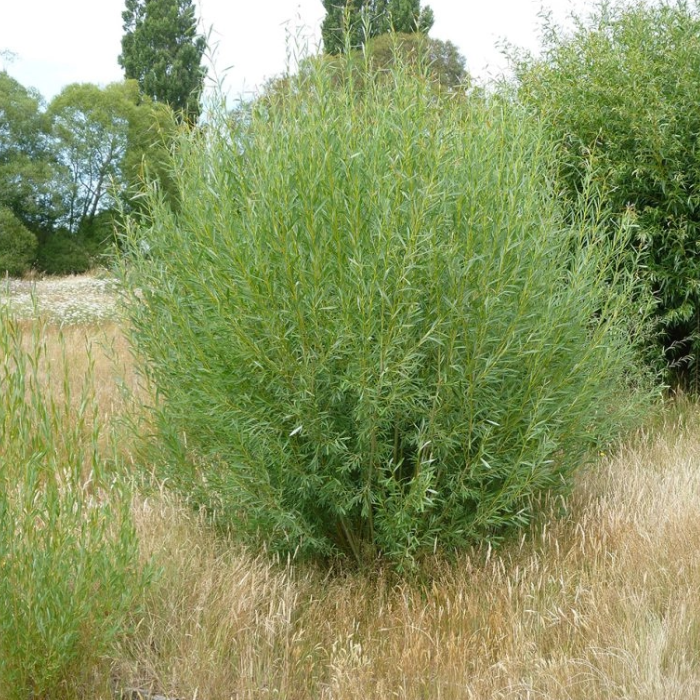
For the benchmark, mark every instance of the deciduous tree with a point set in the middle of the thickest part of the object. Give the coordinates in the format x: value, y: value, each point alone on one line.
x: 103, y: 135
x: 26, y: 168
x: 445, y: 63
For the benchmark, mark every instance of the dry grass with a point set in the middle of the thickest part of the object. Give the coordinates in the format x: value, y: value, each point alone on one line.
x: 98, y: 355
x: 604, y: 603
x: 102, y: 345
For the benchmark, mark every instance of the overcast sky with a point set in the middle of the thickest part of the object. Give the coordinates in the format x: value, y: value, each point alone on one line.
x: 58, y: 43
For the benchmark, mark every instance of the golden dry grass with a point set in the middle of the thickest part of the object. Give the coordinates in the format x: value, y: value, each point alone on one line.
x: 89, y: 363
x: 603, y: 603
x: 103, y: 346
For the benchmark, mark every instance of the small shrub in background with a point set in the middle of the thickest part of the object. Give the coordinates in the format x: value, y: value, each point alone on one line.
x: 66, y: 253
x: 372, y: 331
x: 63, y: 253
x: 621, y: 91
x: 69, y: 560
x: 97, y: 235
x: 18, y: 245
x: 445, y: 65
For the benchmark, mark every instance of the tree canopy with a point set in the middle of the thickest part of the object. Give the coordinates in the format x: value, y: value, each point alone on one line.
x: 102, y: 136
x: 356, y: 18
x: 162, y: 51
x: 92, y: 128
x: 445, y: 63
x: 26, y: 164
x: 67, y: 169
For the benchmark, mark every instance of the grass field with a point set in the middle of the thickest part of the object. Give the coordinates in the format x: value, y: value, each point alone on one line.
x: 603, y: 602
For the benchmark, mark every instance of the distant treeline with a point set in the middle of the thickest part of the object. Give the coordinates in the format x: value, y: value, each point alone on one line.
x: 66, y: 168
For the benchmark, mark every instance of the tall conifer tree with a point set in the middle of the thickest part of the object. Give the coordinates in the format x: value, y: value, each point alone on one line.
x: 380, y: 16
x: 162, y: 50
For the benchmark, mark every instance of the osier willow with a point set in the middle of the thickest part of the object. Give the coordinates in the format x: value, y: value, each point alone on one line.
x: 372, y: 333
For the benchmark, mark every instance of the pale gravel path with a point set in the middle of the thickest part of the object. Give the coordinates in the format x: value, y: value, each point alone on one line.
x: 67, y: 300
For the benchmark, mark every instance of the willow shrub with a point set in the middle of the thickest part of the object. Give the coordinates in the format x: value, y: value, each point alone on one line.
x: 69, y: 559
x: 370, y: 329
x: 621, y: 89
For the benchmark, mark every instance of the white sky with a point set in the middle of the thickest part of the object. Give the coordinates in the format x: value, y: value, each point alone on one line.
x: 58, y: 43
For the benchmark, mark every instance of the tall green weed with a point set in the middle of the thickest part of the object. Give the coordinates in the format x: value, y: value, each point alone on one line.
x: 372, y: 331
x: 69, y: 560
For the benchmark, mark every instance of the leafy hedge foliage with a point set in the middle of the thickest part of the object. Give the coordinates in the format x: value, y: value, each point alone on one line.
x: 621, y: 93
x: 63, y: 253
x: 66, y: 253
x: 98, y: 236
x: 372, y: 331
x: 18, y: 245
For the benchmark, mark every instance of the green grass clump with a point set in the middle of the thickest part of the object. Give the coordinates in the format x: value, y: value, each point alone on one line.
x: 69, y: 560
x: 372, y: 331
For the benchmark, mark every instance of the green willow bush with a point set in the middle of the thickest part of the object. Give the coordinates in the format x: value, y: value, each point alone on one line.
x: 69, y: 560
x: 370, y: 329
x: 621, y: 91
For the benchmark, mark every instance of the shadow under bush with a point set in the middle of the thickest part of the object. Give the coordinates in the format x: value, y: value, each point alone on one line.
x: 371, y: 330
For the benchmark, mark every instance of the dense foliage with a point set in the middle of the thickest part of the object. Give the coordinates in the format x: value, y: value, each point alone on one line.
x: 371, y: 329
x: 355, y: 21
x: 63, y: 253
x: 444, y: 64
x: 92, y: 127
x: 620, y: 95
x: 26, y: 162
x: 163, y: 52
x: 17, y: 245
x: 67, y: 169
x: 440, y: 61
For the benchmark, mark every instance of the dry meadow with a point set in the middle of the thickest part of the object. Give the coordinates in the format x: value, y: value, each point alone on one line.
x: 601, y: 602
